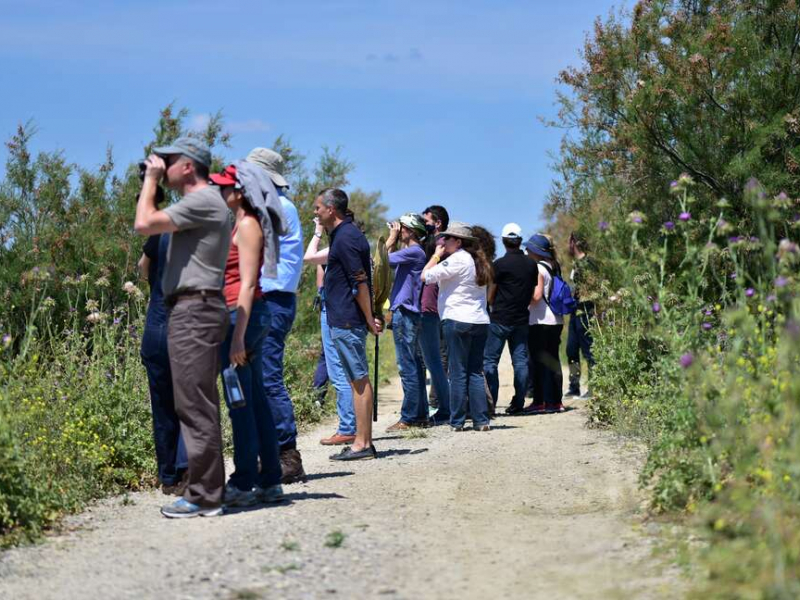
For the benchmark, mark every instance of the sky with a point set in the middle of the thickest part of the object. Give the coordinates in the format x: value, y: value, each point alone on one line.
x: 435, y: 102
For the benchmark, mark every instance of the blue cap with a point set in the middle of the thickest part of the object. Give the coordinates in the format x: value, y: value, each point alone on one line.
x: 539, y: 244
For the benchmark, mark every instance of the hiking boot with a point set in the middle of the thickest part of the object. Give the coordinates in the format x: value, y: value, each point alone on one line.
x: 292, y: 467
x: 349, y: 454
x: 338, y: 439
x: 399, y: 426
x: 183, y: 509
x: 236, y: 497
x: 269, y: 494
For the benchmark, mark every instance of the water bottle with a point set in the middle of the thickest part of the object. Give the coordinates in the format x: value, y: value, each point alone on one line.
x: 233, y: 387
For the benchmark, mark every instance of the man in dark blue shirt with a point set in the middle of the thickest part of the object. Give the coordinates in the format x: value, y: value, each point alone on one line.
x: 348, y: 300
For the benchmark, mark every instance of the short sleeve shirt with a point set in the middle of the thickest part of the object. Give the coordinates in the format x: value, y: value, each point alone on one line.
x: 540, y: 313
x: 348, y: 261
x: 407, y: 287
x: 155, y: 248
x: 515, y: 276
x: 199, y: 249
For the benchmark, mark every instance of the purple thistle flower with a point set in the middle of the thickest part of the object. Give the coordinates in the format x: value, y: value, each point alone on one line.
x: 656, y: 307
x: 749, y: 292
x: 772, y: 298
x: 685, y: 216
x: 793, y: 328
x: 602, y: 226
x: 669, y: 225
x: 734, y: 239
x: 707, y: 326
x: 117, y: 321
x: 687, y: 360
x: 781, y: 281
x: 754, y: 239
x: 673, y: 185
x: 6, y: 340
x: 709, y: 312
x: 733, y: 275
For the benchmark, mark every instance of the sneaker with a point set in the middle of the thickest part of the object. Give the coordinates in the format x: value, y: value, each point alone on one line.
x: 555, y: 408
x: 338, y: 439
x: 269, y: 494
x: 457, y: 428
x: 572, y: 393
x: 183, y: 509
x: 399, y: 426
x: 534, y: 409
x: 485, y: 427
x: 348, y: 454
x: 236, y: 497
x: 292, y: 467
x: 513, y: 410
x: 587, y: 395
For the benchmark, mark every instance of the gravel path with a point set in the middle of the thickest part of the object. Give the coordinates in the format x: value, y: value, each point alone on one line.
x: 540, y: 507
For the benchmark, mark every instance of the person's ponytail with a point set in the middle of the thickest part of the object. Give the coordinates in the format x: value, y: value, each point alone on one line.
x: 484, y: 272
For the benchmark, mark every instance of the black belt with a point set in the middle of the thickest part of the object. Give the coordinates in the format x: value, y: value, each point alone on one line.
x: 173, y: 299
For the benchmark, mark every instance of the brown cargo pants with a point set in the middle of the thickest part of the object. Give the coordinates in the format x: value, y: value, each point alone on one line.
x: 197, y: 328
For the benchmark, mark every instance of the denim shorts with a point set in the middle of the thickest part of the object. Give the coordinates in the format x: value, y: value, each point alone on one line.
x: 351, y: 344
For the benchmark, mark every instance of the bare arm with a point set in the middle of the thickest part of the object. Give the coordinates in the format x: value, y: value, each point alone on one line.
x: 249, y: 240
x: 149, y: 220
x: 491, y: 294
x: 394, y: 235
x: 365, y: 304
x: 538, y: 291
x: 313, y: 254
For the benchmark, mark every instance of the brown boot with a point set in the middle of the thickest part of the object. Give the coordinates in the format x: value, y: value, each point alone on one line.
x: 292, y: 467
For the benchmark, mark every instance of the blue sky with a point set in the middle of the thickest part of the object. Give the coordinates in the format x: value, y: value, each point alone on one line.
x: 436, y: 102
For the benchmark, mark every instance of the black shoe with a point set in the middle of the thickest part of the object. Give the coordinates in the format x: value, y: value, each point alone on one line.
x: 513, y: 410
x: 348, y: 454
x: 572, y: 394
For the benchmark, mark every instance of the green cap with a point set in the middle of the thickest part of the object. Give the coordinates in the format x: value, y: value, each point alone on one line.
x: 187, y: 146
x: 415, y: 223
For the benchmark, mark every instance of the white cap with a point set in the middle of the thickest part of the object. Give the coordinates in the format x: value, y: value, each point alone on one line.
x: 511, y: 230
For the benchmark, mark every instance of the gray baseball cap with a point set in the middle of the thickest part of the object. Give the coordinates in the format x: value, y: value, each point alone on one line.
x: 271, y: 162
x: 187, y: 146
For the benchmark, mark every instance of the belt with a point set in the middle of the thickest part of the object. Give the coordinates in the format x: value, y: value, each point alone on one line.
x: 173, y: 299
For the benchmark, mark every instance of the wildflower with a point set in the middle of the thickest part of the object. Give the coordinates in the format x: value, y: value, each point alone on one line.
x: 6, y: 340
x: 636, y: 217
x: 674, y: 188
x: 685, y: 179
x: 96, y: 317
x: 685, y: 216
x: 749, y: 292
x: 772, y: 298
x: 723, y: 226
x: 687, y: 360
x: 602, y: 226
x: 708, y: 312
x: 781, y: 201
x: 707, y: 326
x: 102, y: 282
x: 793, y: 328
x: 92, y: 305
x: 781, y: 281
x: 669, y: 226
x: 656, y: 307
x: 787, y: 248
x: 48, y: 302
x: 128, y: 287
x: 723, y: 203
x: 117, y: 321
x: 732, y: 276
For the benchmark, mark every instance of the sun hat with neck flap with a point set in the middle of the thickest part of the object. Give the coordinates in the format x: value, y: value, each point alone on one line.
x: 539, y: 245
x: 271, y: 162
x: 458, y: 229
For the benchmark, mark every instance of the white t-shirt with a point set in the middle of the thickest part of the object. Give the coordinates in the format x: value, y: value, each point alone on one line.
x: 460, y: 297
x: 540, y: 312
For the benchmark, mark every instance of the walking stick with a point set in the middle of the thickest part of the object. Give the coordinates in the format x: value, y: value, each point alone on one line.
x: 375, y: 390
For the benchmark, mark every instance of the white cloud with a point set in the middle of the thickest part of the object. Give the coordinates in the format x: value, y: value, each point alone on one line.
x: 248, y: 126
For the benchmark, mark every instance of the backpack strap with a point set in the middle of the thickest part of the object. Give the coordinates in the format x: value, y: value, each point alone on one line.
x: 552, y: 280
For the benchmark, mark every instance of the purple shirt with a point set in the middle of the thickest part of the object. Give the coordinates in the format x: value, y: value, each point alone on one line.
x: 407, y: 287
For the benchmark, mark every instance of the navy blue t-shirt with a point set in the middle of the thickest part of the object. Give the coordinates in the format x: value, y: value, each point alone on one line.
x: 348, y: 260
x: 155, y: 248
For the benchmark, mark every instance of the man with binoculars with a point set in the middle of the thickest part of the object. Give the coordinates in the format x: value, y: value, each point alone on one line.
x: 198, y: 318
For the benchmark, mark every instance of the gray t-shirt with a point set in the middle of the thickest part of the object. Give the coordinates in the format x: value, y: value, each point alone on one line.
x: 199, y: 249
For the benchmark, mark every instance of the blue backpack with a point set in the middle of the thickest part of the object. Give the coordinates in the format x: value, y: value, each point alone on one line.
x: 560, y: 301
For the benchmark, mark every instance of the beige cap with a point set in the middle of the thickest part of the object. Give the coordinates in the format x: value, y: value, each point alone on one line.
x: 271, y: 162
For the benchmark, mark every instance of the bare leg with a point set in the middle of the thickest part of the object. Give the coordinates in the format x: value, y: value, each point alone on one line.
x: 362, y: 403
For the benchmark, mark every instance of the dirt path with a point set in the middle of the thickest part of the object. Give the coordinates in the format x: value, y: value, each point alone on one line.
x: 540, y: 507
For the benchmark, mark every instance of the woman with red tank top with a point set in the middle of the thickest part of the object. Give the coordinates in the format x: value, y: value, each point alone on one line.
x: 254, y: 434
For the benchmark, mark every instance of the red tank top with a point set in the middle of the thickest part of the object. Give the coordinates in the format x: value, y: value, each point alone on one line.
x: 233, y: 279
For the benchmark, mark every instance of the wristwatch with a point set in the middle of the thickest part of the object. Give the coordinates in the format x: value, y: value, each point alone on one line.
x: 319, y: 235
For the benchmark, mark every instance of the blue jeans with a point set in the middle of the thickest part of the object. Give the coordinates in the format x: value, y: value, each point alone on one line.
x: 254, y: 435
x: 465, y: 345
x: 517, y: 338
x: 406, y: 327
x: 344, y: 393
x: 282, y: 308
x: 170, y: 450
x: 431, y: 352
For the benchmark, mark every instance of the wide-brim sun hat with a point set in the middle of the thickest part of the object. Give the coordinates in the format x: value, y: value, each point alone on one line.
x: 458, y: 229
x: 415, y: 223
x: 271, y: 161
x: 540, y: 245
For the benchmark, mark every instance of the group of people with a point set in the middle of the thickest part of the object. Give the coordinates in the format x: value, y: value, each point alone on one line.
x: 224, y: 265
